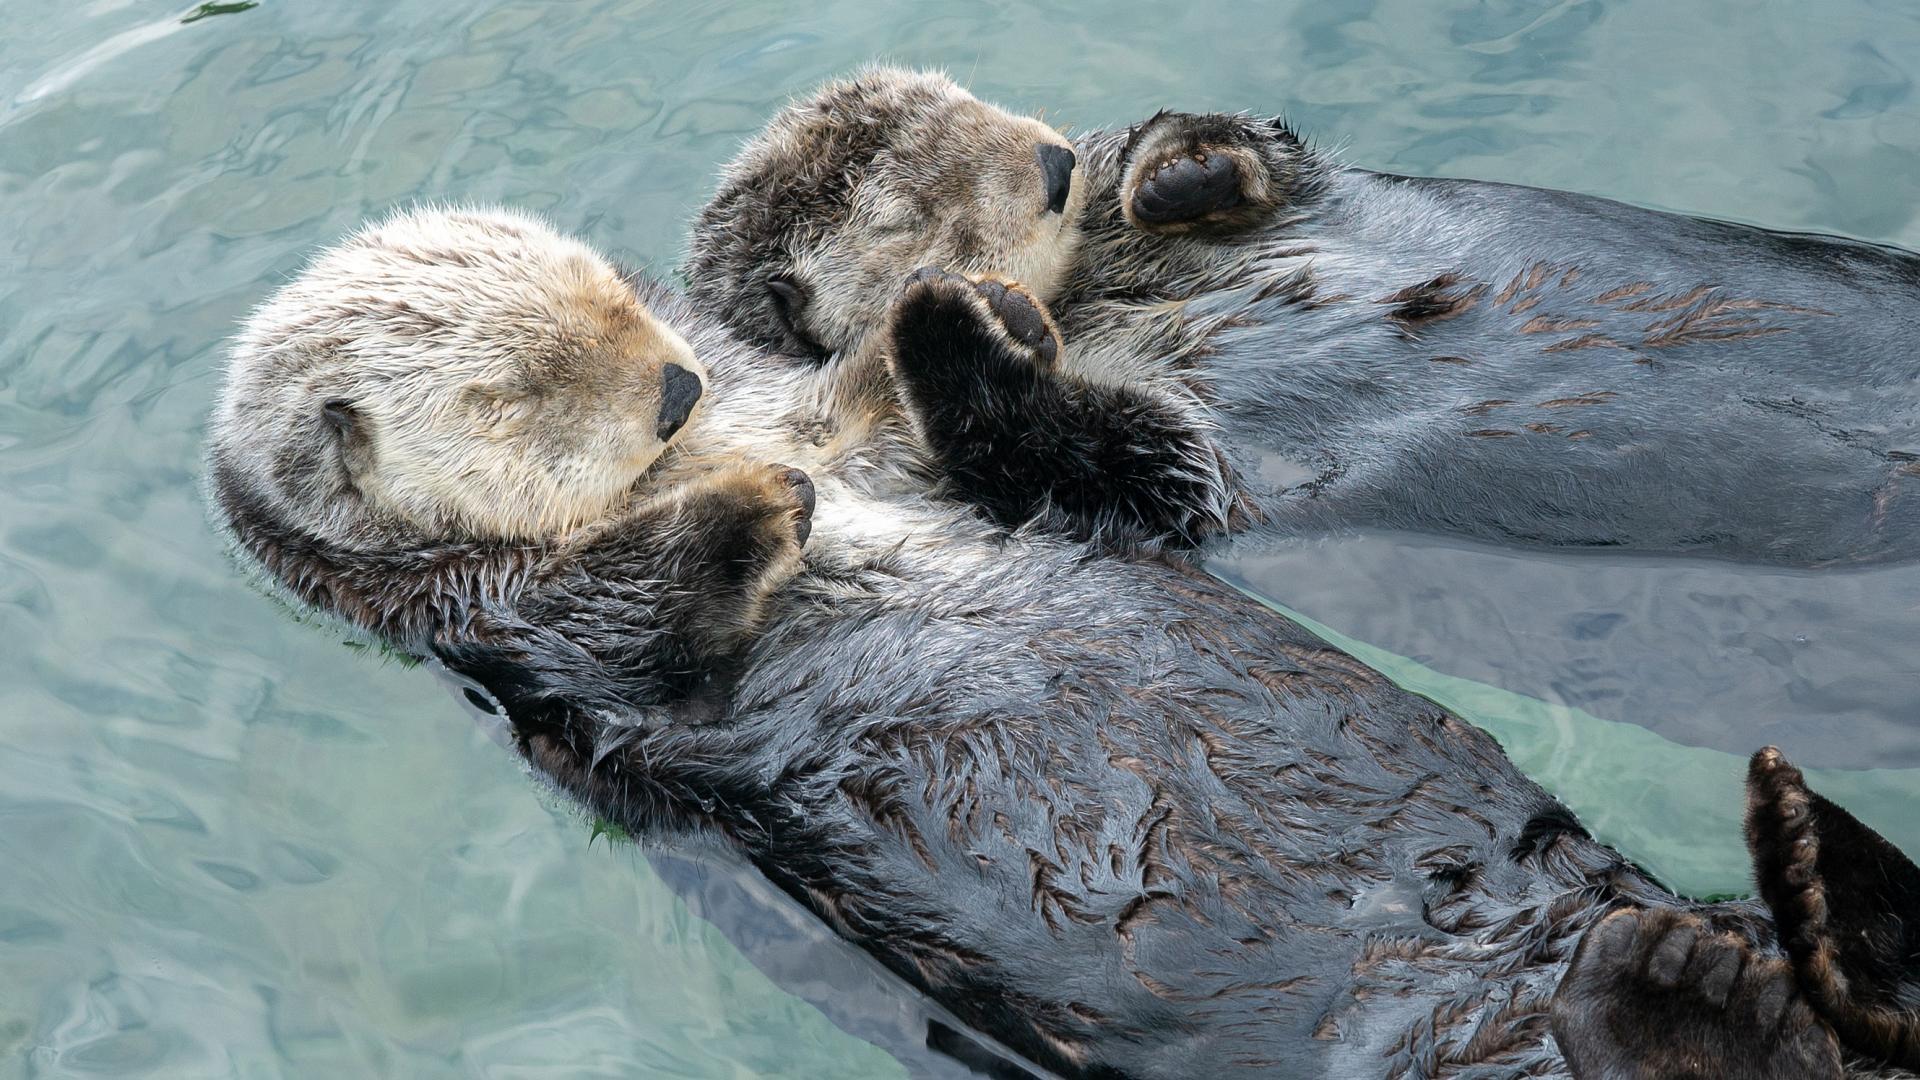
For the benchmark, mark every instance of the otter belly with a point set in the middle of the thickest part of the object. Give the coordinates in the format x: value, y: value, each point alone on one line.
x: 1122, y: 819
x: 1537, y: 367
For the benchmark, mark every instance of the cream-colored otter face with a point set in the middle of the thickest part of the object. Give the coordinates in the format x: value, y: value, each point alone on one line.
x: 463, y: 371
x: 825, y: 213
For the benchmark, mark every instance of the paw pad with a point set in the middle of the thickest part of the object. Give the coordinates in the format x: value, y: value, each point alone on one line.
x: 1021, y: 317
x: 1186, y: 188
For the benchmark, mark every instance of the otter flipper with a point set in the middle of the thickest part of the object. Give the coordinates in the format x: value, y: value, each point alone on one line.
x: 1212, y: 173
x: 1660, y: 995
x: 1847, y: 905
x: 1020, y: 439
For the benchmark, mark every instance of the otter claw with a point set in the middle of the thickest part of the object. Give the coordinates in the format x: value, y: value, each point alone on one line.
x: 802, y: 487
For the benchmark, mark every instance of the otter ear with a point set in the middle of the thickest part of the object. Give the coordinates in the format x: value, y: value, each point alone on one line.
x: 1846, y: 905
x: 340, y: 416
x: 790, y: 301
x: 343, y: 420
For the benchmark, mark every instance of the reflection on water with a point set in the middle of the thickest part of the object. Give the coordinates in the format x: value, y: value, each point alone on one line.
x: 236, y: 848
x: 1708, y: 654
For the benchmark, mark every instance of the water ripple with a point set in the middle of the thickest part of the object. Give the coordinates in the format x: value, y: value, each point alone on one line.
x: 237, y: 848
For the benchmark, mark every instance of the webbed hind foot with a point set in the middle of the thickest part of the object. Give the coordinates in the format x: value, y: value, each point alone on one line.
x: 1844, y: 901
x: 1660, y: 995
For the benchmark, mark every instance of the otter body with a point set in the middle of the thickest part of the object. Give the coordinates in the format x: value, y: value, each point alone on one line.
x: 1115, y: 814
x: 1358, y: 349
x: 1538, y: 367
x: 1127, y: 820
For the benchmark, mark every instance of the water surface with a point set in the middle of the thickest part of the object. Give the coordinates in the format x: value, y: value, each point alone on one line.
x: 235, y: 847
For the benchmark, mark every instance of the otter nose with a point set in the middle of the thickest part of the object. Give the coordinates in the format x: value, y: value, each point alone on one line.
x: 1056, y: 167
x: 679, y: 391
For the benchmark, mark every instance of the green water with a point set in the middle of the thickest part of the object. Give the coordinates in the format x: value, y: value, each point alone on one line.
x: 232, y: 847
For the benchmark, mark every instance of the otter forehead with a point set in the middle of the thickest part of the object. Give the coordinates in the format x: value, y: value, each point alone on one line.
x: 806, y: 169
x: 812, y: 156
x: 462, y: 294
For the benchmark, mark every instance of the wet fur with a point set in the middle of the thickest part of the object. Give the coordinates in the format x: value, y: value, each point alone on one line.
x: 1447, y: 356
x: 1660, y: 995
x: 1112, y: 812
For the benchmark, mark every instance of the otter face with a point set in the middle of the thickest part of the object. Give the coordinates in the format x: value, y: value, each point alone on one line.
x: 465, y: 372
x: 826, y: 212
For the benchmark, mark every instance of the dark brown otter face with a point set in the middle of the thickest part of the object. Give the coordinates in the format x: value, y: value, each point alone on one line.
x: 826, y: 212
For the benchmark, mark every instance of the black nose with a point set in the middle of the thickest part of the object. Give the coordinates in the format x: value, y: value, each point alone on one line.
x: 1056, y: 165
x: 679, y: 390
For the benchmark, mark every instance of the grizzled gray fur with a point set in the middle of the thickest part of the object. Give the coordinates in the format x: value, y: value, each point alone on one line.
x: 1110, y: 811
x: 1367, y: 350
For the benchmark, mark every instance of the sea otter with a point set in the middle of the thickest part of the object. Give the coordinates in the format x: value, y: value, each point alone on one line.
x: 439, y: 424
x: 1354, y: 348
x: 1108, y: 810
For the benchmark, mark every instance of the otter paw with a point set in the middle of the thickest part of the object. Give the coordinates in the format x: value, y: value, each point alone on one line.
x: 999, y: 315
x: 1214, y: 173
x: 729, y: 539
x: 1661, y: 995
x: 775, y: 502
x: 958, y: 337
x: 1842, y: 899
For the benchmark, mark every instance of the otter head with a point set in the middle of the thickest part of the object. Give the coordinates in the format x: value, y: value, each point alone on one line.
x: 458, y: 372
x: 823, y: 214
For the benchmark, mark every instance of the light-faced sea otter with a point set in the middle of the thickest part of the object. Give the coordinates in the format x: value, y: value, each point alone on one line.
x: 1107, y: 810
x: 1317, y: 346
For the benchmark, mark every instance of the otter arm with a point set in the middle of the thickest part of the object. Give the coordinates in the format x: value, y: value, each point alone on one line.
x: 647, y: 611
x: 1021, y: 440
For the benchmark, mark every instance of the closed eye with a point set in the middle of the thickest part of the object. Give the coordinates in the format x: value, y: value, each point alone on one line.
x: 894, y: 227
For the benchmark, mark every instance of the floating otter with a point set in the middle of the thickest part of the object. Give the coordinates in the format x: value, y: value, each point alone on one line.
x: 1449, y: 356
x: 435, y: 431
x: 1111, y: 812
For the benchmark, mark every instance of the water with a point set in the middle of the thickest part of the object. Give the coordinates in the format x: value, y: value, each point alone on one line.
x: 236, y: 848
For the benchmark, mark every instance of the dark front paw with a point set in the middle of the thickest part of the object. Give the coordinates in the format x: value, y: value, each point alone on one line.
x: 741, y: 531
x: 945, y: 324
x: 1211, y: 173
